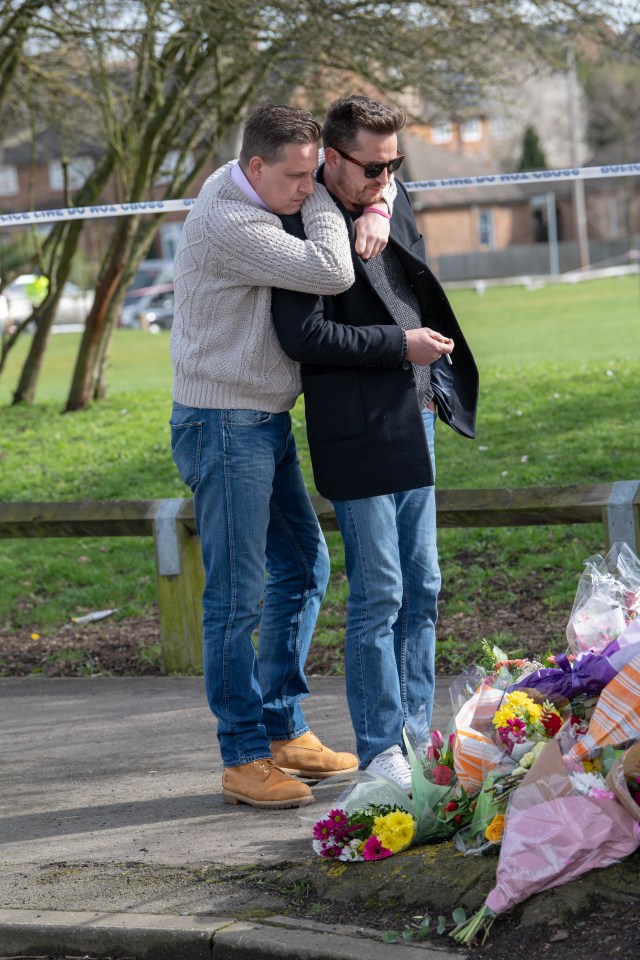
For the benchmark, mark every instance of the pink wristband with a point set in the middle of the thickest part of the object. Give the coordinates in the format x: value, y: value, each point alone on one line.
x: 383, y: 213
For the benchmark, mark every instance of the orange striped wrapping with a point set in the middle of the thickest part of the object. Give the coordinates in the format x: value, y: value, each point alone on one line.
x: 616, y: 717
x: 475, y: 752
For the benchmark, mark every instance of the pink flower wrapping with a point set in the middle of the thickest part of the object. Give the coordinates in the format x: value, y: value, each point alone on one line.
x: 552, y: 843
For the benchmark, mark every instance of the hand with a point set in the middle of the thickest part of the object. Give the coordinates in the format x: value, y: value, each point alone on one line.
x: 372, y: 234
x: 425, y: 346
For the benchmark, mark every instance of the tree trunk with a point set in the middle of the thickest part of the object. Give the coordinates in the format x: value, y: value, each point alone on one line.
x: 44, y: 315
x: 30, y: 374
x: 98, y: 330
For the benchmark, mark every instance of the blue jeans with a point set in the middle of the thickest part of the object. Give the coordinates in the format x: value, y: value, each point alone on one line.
x: 394, y: 580
x: 252, y: 514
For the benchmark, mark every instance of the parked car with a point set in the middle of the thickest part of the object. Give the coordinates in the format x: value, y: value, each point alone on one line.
x: 151, y: 273
x: 152, y: 277
x: 19, y: 298
x: 149, y: 308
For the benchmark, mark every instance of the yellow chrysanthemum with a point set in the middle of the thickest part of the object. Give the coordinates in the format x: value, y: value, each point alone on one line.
x: 517, y: 704
x: 394, y: 830
x: 518, y: 698
x: 534, y: 711
x: 501, y: 716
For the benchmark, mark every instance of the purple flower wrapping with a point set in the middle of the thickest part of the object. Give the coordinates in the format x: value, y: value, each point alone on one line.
x: 588, y: 674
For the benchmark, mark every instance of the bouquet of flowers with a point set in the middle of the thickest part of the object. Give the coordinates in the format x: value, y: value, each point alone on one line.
x: 520, y: 722
x: 558, y: 826
x: 487, y: 824
x: 498, y: 724
x: 500, y: 666
x: 582, y: 677
x: 475, y: 751
x: 372, y: 820
x: 616, y: 718
x: 442, y: 805
x: 373, y: 833
x: 607, y: 599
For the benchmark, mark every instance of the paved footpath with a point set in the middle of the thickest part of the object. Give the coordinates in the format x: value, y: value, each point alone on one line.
x: 110, y: 810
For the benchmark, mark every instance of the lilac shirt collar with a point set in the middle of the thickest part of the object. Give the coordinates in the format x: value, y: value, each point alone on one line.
x: 241, y: 181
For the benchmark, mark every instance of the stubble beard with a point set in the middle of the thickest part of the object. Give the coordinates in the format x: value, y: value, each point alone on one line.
x: 352, y: 197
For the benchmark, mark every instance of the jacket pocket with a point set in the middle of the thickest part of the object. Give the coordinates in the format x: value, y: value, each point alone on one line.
x: 333, y: 405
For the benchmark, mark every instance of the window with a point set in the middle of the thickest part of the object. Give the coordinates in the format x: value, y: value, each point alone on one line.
x: 500, y: 127
x: 78, y: 169
x: 442, y: 132
x: 471, y: 130
x: 170, y: 165
x: 485, y: 229
x: 9, y: 186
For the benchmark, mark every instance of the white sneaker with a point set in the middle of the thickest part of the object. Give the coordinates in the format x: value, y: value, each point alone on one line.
x: 393, y: 765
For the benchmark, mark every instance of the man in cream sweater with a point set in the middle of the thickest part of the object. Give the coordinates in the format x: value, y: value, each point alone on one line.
x: 233, y: 445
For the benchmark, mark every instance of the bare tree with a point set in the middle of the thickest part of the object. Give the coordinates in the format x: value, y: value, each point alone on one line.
x: 154, y: 79
x: 613, y: 92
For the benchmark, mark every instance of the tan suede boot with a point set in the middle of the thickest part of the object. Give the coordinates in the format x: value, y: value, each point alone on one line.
x: 305, y: 756
x: 261, y: 784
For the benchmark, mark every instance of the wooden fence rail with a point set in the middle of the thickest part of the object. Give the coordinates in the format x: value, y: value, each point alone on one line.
x: 180, y: 576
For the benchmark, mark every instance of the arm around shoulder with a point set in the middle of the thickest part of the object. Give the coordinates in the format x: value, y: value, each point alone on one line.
x: 253, y: 246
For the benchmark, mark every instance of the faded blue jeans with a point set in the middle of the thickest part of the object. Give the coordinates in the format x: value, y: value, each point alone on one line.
x: 253, y: 514
x: 394, y: 580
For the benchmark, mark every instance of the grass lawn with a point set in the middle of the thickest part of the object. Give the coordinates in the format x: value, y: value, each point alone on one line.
x: 559, y: 401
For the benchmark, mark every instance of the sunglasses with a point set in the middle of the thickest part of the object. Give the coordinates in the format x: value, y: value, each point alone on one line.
x: 373, y: 170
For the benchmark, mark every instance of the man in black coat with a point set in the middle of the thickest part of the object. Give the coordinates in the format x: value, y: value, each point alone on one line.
x: 379, y: 363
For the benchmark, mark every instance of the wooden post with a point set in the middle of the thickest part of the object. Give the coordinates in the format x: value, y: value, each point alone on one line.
x: 180, y: 586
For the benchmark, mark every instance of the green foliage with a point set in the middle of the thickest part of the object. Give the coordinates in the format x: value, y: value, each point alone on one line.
x: 420, y: 927
x: 533, y: 157
x: 16, y: 253
x: 556, y: 407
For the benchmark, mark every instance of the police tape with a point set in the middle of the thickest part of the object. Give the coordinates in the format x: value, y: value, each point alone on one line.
x: 97, y: 211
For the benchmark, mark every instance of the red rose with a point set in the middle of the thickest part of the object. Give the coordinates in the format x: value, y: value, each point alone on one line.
x: 458, y: 819
x: 551, y: 723
x: 450, y: 807
x: 442, y: 775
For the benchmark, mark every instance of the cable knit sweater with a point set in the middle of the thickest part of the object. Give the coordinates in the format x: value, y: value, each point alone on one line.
x: 224, y: 348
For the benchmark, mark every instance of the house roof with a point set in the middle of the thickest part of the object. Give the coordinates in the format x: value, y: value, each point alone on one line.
x: 17, y: 149
x: 424, y: 161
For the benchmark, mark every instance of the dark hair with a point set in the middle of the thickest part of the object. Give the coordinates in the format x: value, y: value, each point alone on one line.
x: 347, y: 116
x: 272, y: 127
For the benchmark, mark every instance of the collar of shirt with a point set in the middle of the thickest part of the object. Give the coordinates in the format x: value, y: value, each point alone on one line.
x: 241, y: 181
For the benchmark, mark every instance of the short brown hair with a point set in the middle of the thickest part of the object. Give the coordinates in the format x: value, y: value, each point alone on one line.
x: 345, y: 117
x: 272, y: 127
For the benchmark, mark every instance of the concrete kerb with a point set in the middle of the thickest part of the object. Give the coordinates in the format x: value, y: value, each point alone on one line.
x: 153, y: 937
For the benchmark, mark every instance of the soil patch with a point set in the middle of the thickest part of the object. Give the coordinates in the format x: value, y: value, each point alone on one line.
x: 592, y: 917
x: 132, y: 647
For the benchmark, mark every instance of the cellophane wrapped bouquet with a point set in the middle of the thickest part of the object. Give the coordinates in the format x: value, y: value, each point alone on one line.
x: 371, y: 820
x: 607, y: 599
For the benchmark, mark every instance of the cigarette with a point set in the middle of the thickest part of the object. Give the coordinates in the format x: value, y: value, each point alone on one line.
x: 447, y: 340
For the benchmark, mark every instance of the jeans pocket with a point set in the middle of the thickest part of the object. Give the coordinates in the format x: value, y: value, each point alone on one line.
x: 245, y: 418
x: 186, y: 444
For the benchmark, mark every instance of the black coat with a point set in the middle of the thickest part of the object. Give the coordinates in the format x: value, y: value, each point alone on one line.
x: 365, y: 430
